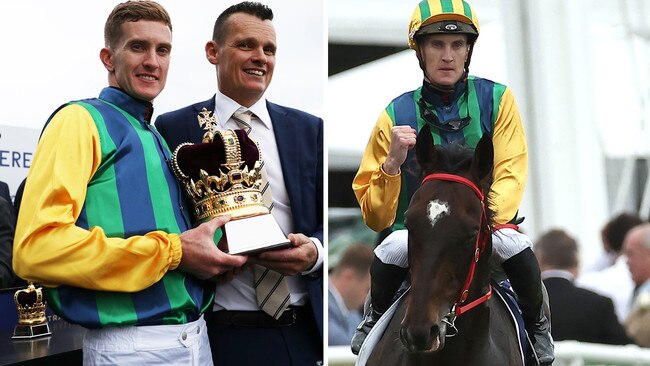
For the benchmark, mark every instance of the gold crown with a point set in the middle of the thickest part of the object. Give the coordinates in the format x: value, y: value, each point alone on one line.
x: 30, y: 305
x: 233, y: 189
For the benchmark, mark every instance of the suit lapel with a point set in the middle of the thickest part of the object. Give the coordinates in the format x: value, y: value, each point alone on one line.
x: 286, y: 136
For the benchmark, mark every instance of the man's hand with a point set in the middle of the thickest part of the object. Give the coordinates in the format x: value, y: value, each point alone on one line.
x: 301, y: 256
x: 402, y: 139
x: 201, y: 258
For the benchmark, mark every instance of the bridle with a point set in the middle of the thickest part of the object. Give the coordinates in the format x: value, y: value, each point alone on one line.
x: 460, y: 307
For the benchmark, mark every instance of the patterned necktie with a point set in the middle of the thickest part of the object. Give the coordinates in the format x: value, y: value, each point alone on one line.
x: 244, y: 119
x: 271, y: 288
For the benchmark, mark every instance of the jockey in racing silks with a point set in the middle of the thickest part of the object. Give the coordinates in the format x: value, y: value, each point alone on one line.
x: 460, y: 108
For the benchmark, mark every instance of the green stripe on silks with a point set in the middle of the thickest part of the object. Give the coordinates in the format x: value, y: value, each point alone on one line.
x: 96, y: 208
x: 174, y: 286
x: 473, y: 131
x: 158, y: 187
x: 162, y: 205
x: 390, y: 110
x: 52, y: 297
x: 417, y: 94
x: 402, y: 199
x: 173, y: 282
x: 498, y: 91
x: 115, y: 309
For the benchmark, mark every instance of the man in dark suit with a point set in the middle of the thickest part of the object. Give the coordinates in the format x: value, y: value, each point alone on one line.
x: 576, y: 313
x: 243, y: 49
x: 4, y: 192
x: 7, y: 229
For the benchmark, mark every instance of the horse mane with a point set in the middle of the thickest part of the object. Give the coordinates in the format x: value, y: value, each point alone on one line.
x: 456, y: 158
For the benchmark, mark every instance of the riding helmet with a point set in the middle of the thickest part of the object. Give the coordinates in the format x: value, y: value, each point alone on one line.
x: 443, y: 16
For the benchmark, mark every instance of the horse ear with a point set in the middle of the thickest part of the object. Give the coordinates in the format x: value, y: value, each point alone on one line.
x: 425, y: 153
x: 483, y: 161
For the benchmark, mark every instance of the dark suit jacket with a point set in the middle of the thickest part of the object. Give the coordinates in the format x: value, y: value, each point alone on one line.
x: 581, y: 315
x: 4, y: 192
x: 7, y: 229
x: 19, y: 197
x: 299, y: 136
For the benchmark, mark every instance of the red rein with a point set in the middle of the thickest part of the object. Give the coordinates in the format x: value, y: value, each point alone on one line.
x: 479, y: 247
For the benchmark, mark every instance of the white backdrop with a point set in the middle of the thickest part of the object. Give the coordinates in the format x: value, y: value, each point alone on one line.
x: 51, y: 55
x: 17, y: 146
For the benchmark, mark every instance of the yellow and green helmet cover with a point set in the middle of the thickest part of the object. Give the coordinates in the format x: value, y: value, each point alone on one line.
x: 449, y: 16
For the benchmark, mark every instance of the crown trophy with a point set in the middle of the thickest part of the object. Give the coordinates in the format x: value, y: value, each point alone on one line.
x: 222, y: 176
x: 32, y: 322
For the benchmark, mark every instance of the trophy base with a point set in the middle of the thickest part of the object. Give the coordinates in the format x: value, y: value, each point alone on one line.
x: 23, y: 331
x: 253, y: 234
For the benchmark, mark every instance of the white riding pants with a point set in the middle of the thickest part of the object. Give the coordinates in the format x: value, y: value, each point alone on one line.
x: 506, y: 243
x: 182, y: 345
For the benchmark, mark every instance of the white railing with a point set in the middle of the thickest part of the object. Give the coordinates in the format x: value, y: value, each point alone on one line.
x: 567, y: 353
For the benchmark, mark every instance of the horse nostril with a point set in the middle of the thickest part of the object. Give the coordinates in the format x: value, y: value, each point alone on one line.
x: 419, y: 338
x: 434, y: 331
x: 403, y: 337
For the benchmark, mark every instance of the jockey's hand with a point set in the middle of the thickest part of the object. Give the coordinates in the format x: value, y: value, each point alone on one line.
x: 402, y: 139
x: 201, y: 258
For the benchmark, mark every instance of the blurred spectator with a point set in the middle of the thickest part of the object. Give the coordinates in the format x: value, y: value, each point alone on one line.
x: 7, y: 228
x: 637, y: 251
x: 18, y: 282
x: 612, y: 235
x: 19, y: 197
x: 4, y: 192
x: 349, y: 283
x: 613, y: 281
x: 576, y: 313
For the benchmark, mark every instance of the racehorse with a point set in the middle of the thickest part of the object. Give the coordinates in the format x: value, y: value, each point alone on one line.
x: 449, y: 316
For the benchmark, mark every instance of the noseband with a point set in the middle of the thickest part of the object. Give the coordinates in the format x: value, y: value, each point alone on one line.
x: 460, y: 307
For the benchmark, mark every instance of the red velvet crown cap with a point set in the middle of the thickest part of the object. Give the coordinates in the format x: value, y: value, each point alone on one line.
x: 221, y: 177
x: 210, y: 156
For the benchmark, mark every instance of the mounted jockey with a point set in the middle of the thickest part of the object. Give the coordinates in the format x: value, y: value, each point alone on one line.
x: 459, y: 108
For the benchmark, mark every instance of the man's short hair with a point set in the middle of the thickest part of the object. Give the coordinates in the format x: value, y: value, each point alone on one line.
x: 615, y: 230
x: 558, y: 250
x: 357, y: 257
x: 255, y: 9
x: 132, y: 11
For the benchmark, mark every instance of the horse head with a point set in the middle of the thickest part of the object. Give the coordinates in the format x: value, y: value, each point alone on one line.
x: 446, y: 222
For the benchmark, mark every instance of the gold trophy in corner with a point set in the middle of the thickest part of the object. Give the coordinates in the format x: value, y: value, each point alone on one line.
x: 32, y: 322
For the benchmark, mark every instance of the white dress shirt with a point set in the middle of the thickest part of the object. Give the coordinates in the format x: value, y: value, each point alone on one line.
x: 239, y: 294
x: 614, y: 282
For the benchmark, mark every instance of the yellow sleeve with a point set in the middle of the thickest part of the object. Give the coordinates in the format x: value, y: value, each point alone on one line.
x: 50, y: 249
x: 510, y: 160
x: 376, y: 191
